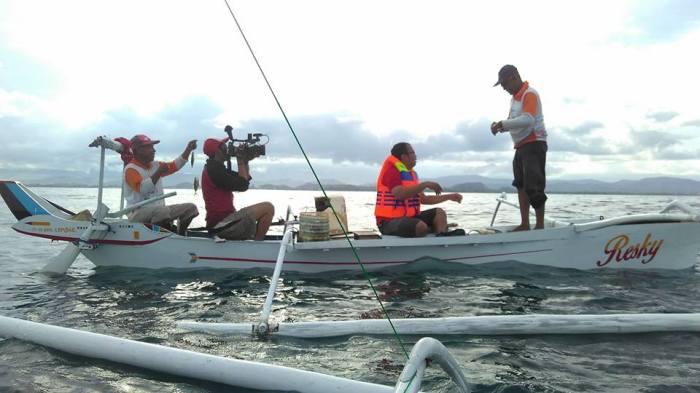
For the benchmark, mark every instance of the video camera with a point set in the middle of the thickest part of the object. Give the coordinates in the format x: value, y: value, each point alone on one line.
x: 248, y: 148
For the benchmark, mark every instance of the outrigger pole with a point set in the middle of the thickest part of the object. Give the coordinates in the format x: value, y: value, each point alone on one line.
x: 486, y: 325
x: 180, y: 362
x: 233, y: 372
x: 263, y: 326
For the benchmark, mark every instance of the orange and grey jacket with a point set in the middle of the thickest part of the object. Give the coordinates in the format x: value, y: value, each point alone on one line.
x: 140, y: 187
x: 388, y: 206
x: 525, y: 120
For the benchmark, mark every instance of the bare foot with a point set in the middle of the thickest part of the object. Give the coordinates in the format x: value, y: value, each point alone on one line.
x: 539, y: 227
x: 521, y: 228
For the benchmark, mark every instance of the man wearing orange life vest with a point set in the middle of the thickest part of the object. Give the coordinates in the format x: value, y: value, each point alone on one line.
x: 143, y: 178
x: 525, y: 124
x: 400, y: 194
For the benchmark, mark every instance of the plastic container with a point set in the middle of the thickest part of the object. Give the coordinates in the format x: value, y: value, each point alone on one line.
x: 338, y: 203
x: 313, y: 227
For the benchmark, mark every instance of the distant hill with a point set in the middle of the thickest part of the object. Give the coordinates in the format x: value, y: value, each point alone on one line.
x: 665, y: 185
x: 471, y: 187
x: 651, y: 186
x: 314, y: 187
x: 476, y: 183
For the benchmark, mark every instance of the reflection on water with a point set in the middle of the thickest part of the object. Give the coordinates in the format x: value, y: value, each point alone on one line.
x: 145, y: 305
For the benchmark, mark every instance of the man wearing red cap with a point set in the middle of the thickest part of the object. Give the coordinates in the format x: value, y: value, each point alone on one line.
x: 143, y: 177
x: 218, y: 185
x: 525, y: 124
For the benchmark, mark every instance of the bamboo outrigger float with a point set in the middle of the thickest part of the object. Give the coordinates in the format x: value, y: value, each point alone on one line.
x: 233, y: 372
x: 484, y: 325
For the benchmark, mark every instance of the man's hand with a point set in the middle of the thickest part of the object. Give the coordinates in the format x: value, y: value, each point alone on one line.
x: 242, y: 154
x: 433, y: 186
x: 160, y: 172
x: 496, y: 127
x: 191, y: 145
x: 454, y: 197
x: 97, y: 142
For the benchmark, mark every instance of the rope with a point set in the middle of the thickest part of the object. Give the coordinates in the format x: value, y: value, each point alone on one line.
x: 347, y: 238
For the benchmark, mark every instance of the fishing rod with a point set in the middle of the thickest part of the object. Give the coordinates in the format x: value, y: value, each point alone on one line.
x: 335, y: 213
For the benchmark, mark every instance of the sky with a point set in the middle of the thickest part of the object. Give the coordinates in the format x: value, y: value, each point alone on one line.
x: 617, y: 80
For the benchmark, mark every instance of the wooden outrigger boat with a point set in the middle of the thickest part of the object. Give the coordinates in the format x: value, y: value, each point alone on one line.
x: 643, y: 241
x: 660, y: 240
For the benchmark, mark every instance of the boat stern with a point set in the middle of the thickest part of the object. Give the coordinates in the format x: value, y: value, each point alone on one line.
x: 19, y: 200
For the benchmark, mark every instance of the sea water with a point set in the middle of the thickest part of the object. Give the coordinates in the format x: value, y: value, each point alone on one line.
x: 144, y: 305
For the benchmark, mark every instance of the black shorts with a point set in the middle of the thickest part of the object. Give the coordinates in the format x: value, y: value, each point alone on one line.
x: 528, y: 171
x: 406, y: 226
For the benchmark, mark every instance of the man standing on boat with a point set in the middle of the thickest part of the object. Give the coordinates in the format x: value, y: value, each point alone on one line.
x: 400, y: 194
x: 525, y: 124
x: 218, y: 184
x: 143, y: 177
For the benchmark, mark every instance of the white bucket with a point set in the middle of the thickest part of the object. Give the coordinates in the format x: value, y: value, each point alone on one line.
x: 313, y: 227
x: 338, y: 202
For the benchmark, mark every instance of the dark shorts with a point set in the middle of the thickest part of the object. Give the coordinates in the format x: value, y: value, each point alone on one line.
x: 406, y: 226
x: 528, y: 171
x: 237, y: 226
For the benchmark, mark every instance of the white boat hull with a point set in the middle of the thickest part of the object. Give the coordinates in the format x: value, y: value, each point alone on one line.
x: 635, y: 246
x: 644, y: 241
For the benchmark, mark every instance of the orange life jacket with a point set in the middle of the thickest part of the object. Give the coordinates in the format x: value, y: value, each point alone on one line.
x: 388, y: 206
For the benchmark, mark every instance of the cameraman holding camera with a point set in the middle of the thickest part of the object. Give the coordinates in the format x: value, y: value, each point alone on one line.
x: 218, y: 184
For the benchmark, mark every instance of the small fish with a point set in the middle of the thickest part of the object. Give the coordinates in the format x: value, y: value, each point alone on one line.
x: 192, y: 159
x: 195, y: 184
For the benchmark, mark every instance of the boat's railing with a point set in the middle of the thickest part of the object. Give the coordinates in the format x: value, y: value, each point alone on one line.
x: 503, y: 199
x: 636, y: 219
x: 427, y: 349
x: 689, y: 214
x: 139, y: 204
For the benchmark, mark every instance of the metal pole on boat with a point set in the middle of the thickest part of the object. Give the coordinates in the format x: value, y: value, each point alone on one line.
x: 500, y: 199
x: 263, y: 326
x: 100, y: 184
x: 61, y: 262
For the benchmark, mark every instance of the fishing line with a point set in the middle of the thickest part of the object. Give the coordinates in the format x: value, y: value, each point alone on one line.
x: 347, y: 238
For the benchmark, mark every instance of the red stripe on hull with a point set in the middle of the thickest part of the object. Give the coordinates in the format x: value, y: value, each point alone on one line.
x: 99, y: 241
x: 224, y: 259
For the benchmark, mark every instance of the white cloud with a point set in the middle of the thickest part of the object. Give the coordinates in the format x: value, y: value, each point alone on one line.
x: 370, y: 71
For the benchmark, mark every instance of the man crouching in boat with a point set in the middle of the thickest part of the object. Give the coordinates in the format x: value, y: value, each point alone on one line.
x: 143, y: 177
x: 399, y: 196
x: 218, y: 184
